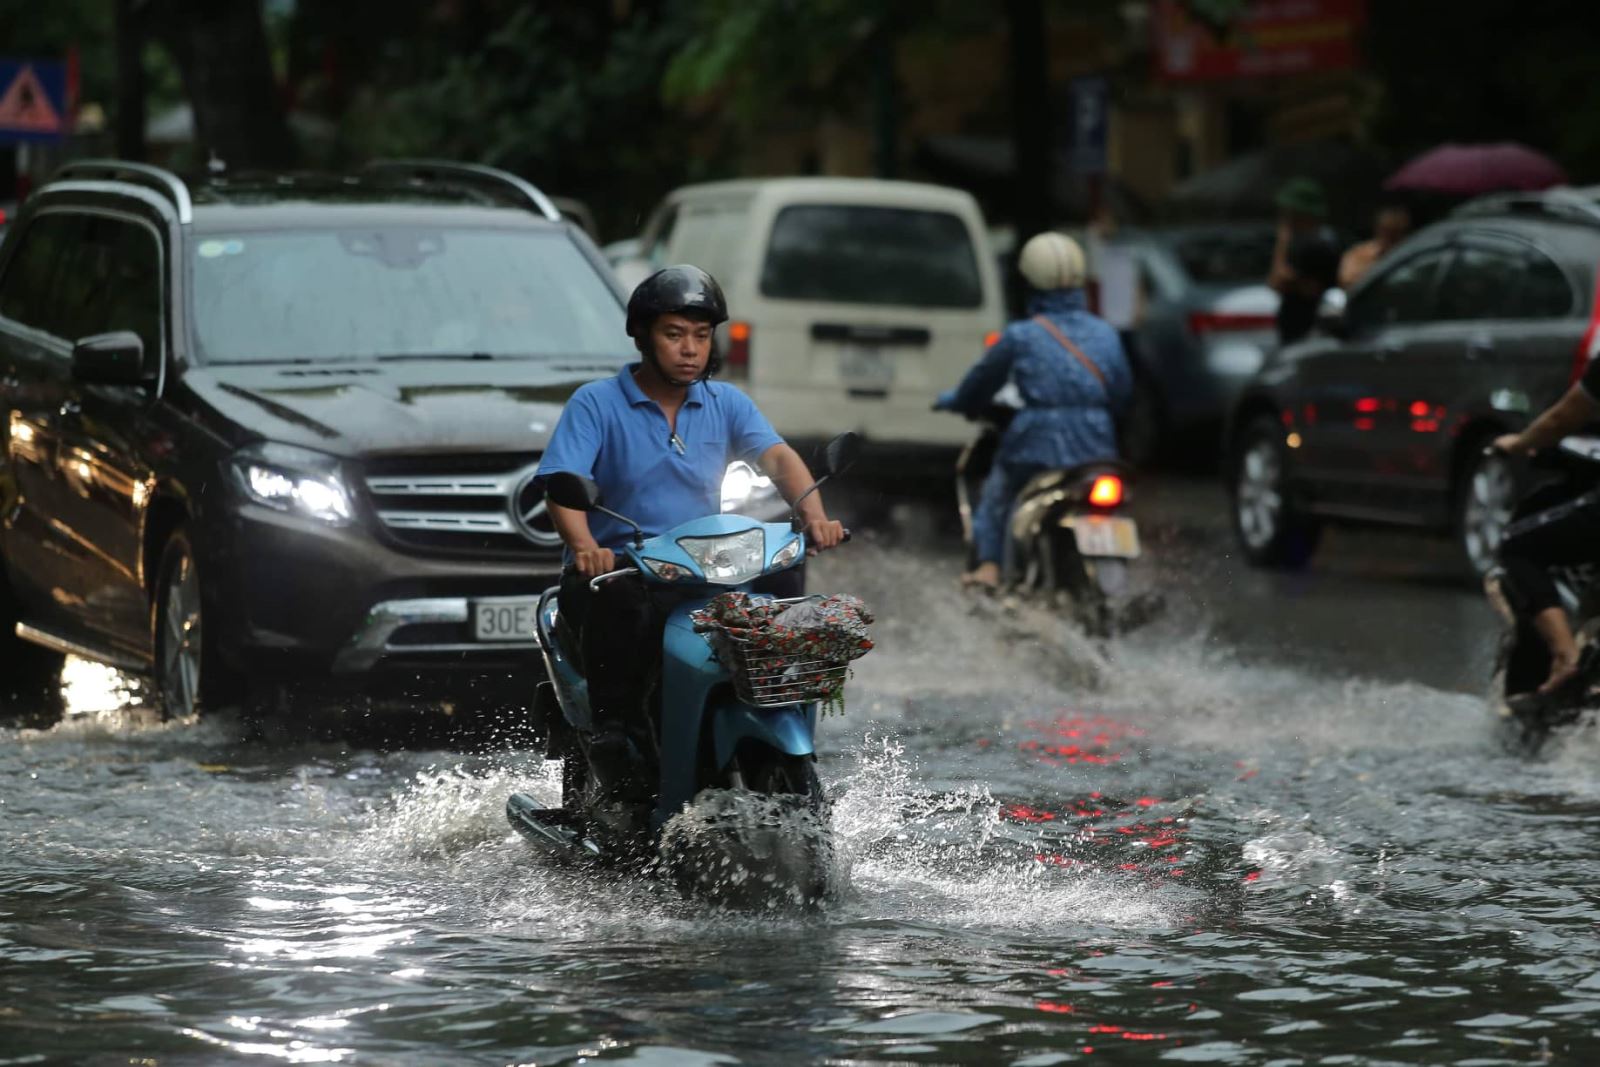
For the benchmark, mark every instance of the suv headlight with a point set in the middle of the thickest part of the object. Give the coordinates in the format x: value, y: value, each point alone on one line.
x: 294, y: 480
x: 731, y: 559
x: 740, y: 484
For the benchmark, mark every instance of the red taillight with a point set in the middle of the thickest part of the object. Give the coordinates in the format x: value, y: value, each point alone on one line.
x: 991, y: 338
x: 1106, y: 491
x: 738, y: 344
x: 1203, y: 322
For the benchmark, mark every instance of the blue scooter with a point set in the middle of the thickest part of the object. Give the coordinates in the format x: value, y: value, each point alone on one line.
x: 727, y: 722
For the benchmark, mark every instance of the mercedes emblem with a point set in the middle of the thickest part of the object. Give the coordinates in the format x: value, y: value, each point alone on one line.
x: 530, y: 514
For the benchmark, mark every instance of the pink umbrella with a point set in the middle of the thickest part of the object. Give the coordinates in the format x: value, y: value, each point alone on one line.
x: 1470, y: 169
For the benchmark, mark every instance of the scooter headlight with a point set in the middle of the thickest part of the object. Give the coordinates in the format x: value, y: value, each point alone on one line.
x: 667, y: 572
x: 731, y: 559
x: 785, y: 555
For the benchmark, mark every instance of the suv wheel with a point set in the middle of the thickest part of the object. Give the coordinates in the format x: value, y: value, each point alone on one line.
x: 1487, y: 499
x: 188, y: 677
x: 1269, y: 530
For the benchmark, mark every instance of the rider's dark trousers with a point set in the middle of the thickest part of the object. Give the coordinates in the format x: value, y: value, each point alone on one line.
x: 620, y: 627
x: 1563, y: 535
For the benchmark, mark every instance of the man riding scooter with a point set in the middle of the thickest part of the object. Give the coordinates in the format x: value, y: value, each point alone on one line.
x: 1566, y: 534
x: 1069, y: 367
x: 657, y: 439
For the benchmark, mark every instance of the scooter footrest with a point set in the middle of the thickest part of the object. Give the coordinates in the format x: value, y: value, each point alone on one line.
x: 559, y: 831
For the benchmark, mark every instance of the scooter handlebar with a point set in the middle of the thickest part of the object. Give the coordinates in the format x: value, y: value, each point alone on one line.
x: 597, y: 580
x: 600, y: 579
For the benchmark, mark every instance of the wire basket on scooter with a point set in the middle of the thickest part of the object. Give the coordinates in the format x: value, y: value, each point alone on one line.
x: 764, y: 678
x: 786, y: 651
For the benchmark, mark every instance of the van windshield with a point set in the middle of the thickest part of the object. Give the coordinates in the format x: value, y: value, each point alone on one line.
x: 329, y: 296
x: 871, y: 255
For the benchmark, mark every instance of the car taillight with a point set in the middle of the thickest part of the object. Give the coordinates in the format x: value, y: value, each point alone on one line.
x: 991, y: 338
x: 738, y: 344
x: 1204, y: 322
x: 1106, y: 491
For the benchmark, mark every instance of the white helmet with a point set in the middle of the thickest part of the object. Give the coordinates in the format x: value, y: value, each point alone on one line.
x: 1052, y: 261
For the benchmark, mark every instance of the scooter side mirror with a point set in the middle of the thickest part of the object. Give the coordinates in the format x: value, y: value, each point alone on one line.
x: 572, y: 491
x: 841, y: 454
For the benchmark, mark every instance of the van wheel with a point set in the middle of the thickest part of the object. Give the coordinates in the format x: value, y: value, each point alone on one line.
x: 1484, y: 506
x: 1269, y: 529
x: 189, y: 677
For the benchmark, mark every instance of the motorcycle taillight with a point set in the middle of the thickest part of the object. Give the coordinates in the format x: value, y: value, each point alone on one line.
x: 1106, y: 492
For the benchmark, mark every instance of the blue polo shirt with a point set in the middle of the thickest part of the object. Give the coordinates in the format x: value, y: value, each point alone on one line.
x: 611, y: 432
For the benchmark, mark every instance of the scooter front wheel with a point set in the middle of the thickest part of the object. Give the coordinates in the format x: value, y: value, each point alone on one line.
x: 778, y: 774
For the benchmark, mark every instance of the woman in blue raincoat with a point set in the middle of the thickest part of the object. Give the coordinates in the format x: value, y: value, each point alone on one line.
x: 1068, y: 366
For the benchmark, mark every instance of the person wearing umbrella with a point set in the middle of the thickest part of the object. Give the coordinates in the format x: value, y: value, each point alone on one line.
x: 1305, y: 259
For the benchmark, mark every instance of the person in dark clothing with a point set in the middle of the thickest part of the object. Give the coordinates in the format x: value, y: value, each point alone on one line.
x: 1305, y: 259
x: 1566, y: 534
x: 657, y: 438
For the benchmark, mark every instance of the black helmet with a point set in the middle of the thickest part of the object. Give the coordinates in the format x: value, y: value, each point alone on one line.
x: 680, y: 290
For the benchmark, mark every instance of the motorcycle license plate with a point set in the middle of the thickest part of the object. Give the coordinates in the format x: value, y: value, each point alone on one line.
x: 1104, y: 535
x: 510, y: 618
x: 865, y: 368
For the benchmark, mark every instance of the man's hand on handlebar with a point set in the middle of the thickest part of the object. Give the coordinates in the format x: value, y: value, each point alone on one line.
x: 594, y: 561
x: 823, y: 534
x: 1510, y: 444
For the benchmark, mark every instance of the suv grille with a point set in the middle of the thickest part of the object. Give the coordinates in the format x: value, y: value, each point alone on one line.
x: 463, y: 504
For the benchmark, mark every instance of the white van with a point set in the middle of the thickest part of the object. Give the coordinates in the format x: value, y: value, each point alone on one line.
x: 854, y: 302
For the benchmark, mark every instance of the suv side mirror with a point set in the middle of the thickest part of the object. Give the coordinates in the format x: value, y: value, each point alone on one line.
x: 572, y: 491
x: 841, y: 454
x: 115, y: 358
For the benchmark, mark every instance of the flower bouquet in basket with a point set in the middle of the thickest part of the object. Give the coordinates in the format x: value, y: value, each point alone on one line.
x: 786, y: 653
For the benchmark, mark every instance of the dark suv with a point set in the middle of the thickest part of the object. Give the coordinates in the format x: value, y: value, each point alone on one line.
x: 267, y: 430
x: 1466, y: 331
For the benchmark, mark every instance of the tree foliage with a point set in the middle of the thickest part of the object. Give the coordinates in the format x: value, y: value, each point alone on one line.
x: 568, y: 96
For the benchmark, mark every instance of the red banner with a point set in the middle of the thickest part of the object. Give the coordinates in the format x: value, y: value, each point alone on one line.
x: 1271, y: 38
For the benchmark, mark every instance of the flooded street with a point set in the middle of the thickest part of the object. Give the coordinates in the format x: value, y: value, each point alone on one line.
x: 1278, y: 826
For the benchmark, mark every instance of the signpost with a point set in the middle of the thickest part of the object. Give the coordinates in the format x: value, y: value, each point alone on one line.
x: 33, y: 101
x: 1268, y: 38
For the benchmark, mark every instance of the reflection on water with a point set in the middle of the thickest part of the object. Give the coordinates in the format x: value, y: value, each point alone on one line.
x: 89, y: 688
x: 1042, y: 856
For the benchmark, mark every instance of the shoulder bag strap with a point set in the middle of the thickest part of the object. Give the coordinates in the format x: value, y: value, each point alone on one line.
x: 1066, y: 342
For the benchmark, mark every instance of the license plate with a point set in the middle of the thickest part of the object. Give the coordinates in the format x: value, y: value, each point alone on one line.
x: 865, y: 367
x: 505, y: 618
x: 1104, y: 535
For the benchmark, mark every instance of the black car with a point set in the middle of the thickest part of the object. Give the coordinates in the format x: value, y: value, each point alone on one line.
x: 264, y: 431
x: 1465, y: 331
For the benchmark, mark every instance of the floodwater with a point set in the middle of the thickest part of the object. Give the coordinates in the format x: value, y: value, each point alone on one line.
x: 1210, y: 844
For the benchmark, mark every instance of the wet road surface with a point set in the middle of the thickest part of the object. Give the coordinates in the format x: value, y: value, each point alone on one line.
x: 1278, y: 826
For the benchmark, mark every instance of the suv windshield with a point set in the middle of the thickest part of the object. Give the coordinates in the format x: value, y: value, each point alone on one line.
x: 871, y: 255
x: 327, y: 296
x: 1218, y: 257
